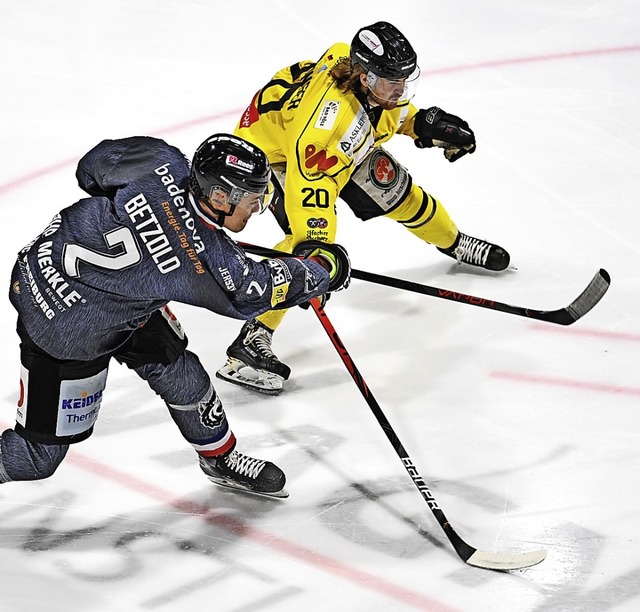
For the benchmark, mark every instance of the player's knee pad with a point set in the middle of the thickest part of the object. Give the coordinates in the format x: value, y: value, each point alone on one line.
x: 21, y: 459
x: 424, y: 216
x: 204, y: 424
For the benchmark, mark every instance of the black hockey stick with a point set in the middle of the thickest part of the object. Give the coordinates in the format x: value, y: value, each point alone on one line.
x: 593, y: 293
x: 469, y: 554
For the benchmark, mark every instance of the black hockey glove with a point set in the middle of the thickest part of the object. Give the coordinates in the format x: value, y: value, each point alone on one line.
x: 435, y: 128
x: 333, y: 258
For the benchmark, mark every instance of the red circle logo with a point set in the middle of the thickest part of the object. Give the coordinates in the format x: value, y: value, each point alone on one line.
x: 383, y: 170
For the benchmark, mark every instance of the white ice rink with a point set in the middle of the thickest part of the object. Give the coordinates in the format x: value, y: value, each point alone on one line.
x: 527, y: 433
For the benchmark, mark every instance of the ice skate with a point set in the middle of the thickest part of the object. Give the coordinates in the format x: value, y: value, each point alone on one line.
x: 477, y: 252
x: 245, y: 473
x: 251, y: 362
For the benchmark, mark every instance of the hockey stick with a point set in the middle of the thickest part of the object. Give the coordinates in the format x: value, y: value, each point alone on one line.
x: 592, y: 294
x: 469, y: 554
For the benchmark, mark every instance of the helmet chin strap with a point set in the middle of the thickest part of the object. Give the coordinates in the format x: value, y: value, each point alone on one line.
x: 218, y: 216
x: 207, y: 212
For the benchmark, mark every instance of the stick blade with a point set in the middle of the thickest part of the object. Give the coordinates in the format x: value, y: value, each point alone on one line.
x: 594, y: 292
x: 502, y: 561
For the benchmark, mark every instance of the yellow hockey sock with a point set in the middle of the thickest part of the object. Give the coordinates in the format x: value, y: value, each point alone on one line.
x: 424, y: 216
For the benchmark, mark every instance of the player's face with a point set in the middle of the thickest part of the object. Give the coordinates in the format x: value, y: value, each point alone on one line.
x: 390, y: 90
x: 388, y: 93
x: 246, y: 206
x: 236, y: 207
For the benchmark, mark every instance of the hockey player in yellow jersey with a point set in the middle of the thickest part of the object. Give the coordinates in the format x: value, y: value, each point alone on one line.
x: 323, y: 125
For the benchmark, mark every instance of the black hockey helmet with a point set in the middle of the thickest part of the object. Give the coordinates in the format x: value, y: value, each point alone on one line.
x: 233, y: 165
x: 383, y: 50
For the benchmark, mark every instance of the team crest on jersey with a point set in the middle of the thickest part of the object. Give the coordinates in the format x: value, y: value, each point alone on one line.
x: 383, y: 170
x: 314, y: 158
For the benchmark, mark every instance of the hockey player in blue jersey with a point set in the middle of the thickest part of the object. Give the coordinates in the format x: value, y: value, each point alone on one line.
x: 95, y: 285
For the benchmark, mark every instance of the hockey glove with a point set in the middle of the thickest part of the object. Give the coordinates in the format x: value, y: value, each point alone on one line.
x: 323, y: 299
x: 332, y: 257
x: 435, y: 128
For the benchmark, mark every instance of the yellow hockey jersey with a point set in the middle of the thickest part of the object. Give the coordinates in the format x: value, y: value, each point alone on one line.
x: 302, y: 119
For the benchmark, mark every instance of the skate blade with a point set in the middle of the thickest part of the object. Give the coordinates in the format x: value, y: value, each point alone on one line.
x: 230, y: 484
x: 238, y: 373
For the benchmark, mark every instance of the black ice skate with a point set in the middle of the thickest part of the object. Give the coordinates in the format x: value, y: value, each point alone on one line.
x: 239, y: 471
x: 251, y: 362
x: 477, y: 252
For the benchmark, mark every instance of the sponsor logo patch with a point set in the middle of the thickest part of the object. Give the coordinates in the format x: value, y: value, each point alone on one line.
x: 250, y: 115
x: 327, y: 116
x: 356, y: 133
x: 234, y: 162
x: 383, y: 170
x: 23, y: 400
x: 371, y: 41
x: 281, y: 279
x: 173, y: 322
x: 79, y: 403
x: 319, y: 223
x: 319, y: 159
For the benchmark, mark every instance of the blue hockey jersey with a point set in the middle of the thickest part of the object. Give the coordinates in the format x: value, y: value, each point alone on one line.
x: 107, y: 262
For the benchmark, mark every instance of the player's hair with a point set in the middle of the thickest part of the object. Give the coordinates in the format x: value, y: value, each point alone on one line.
x: 346, y: 75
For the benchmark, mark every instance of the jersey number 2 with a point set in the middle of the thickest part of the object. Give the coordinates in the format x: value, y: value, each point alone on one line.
x: 122, y: 237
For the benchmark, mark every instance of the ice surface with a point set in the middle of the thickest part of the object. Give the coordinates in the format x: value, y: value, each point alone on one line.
x: 526, y: 433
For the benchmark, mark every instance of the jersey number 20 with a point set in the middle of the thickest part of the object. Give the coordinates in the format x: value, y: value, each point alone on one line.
x: 315, y: 197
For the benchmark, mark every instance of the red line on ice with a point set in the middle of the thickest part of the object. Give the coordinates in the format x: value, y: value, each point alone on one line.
x: 550, y: 57
x: 309, y: 556
x: 245, y: 530
x: 589, y: 332
x: 23, y: 180
x: 565, y: 382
